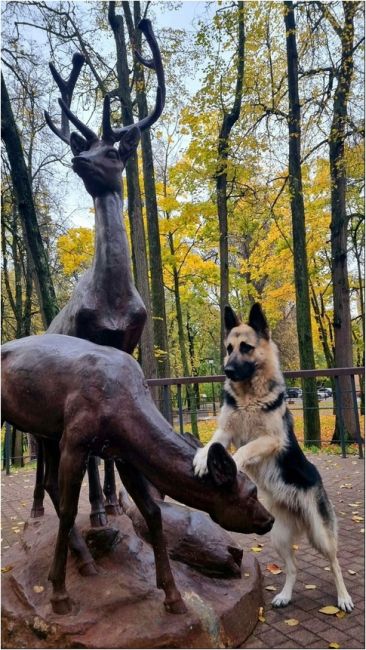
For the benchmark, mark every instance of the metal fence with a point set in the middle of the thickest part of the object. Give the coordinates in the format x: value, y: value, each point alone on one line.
x: 189, y: 402
x: 194, y: 402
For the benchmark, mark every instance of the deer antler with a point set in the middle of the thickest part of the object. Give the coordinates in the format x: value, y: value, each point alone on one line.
x: 155, y: 63
x: 66, y: 88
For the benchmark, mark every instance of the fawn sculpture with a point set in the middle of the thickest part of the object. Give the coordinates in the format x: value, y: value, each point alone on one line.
x: 95, y: 401
x: 105, y: 306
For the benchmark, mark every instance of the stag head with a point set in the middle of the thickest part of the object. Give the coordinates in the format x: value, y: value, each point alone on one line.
x: 98, y: 163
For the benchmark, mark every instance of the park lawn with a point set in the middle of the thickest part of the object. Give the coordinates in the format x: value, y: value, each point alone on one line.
x: 327, y: 422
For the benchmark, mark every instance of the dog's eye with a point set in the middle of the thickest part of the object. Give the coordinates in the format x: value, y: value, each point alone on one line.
x: 245, y: 348
x: 229, y: 348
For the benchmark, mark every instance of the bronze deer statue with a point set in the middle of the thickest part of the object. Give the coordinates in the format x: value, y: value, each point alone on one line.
x: 82, y: 399
x: 105, y: 306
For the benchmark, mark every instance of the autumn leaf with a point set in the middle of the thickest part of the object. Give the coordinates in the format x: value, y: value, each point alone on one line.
x: 256, y: 549
x: 292, y: 622
x: 334, y: 645
x: 348, y: 486
x: 326, y: 568
x: 341, y: 614
x: 310, y: 586
x: 352, y: 573
x: 261, y: 615
x: 274, y: 569
x: 247, y: 575
x: 7, y: 568
x: 295, y: 547
x: 38, y: 589
x: 270, y: 588
x: 357, y: 519
x: 329, y: 609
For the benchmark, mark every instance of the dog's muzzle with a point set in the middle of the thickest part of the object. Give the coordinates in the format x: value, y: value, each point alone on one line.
x: 239, y: 371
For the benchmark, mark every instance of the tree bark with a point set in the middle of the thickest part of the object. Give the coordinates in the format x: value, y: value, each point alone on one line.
x: 303, y: 316
x: 151, y: 206
x: 228, y: 122
x: 23, y: 193
x: 139, y: 257
x: 339, y: 221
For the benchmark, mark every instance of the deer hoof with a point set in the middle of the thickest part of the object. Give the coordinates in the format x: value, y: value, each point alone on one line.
x: 88, y: 569
x: 61, y: 604
x: 113, y: 509
x: 37, y: 511
x: 98, y: 519
x: 176, y: 606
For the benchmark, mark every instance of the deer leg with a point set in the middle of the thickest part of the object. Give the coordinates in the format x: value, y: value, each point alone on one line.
x: 137, y: 487
x: 98, y: 515
x: 38, y: 494
x: 85, y: 562
x: 72, y: 468
x: 111, y: 500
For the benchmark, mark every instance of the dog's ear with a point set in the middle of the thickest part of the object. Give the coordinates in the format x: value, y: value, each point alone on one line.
x: 221, y: 466
x: 230, y: 319
x: 258, y: 321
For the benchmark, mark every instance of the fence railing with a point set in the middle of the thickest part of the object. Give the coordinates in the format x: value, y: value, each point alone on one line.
x: 194, y: 402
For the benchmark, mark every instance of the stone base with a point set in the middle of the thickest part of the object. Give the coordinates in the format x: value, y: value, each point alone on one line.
x: 121, y: 607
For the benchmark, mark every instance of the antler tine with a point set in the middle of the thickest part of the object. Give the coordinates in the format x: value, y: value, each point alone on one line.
x: 88, y: 133
x: 155, y: 64
x: 66, y: 88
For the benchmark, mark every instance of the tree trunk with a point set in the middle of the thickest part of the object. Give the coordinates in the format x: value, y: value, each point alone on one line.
x: 23, y: 193
x: 303, y: 317
x: 156, y: 266
x: 139, y: 257
x: 339, y: 222
x: 228, y: 122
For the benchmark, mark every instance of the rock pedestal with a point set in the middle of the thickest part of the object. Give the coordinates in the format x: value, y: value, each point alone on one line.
x: 121, y: 606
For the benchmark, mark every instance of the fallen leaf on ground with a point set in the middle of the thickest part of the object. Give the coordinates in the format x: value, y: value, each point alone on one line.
x: 329, y: 609
x: 310, y: 586
x: 352, y: 573
x: 247, y: 575
x: 7, y: 568
x: 341, y: 614
x: 261, y: 616
x: 292, y: 622
x: 38, y: 589
x: 353, y: 505
x: 334, y: 645
x: 357, y: 519
x: 295, y: 547
x: 274, y: 568
x: 270, y: 588
x: 326, y: 568
x: 256, y: 549
x: 346, y: 485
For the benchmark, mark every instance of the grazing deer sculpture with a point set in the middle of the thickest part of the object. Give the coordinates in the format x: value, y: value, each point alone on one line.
x: 95, y: 401
x: 105, y: 306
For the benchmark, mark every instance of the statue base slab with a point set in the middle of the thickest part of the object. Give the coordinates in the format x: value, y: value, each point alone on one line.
x: 121, y: 606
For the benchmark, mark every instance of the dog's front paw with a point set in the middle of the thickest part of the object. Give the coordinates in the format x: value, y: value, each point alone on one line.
x: 345, y: 603
x: 281, y: 600
x: 200, y: 462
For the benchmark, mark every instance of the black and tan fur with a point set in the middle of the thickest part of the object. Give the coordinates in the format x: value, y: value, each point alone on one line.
x: 255, y: 419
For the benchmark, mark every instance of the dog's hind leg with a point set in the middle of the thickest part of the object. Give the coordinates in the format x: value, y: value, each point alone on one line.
x: 282, y: 537
x: 322, y: 535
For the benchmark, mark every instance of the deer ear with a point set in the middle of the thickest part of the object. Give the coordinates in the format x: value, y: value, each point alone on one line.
x: 221, y: 466
x: 129, y: 142
x: 78, y: 143
x: 258, y: 321
x: 230, y: 319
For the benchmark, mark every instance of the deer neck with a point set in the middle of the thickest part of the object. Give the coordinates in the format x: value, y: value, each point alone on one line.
x: 112, y: 260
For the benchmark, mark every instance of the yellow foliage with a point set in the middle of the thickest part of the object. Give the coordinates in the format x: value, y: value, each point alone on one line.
x: 75, y: 250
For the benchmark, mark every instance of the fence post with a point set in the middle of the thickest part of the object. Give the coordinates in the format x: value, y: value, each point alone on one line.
x: 166, y: 405
x: 8, y: 432
x: 340, y: 416
x: 355, y: 408
x: 180, y: 410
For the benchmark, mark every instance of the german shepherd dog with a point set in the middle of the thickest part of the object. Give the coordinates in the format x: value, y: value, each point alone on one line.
x: 255, y: 419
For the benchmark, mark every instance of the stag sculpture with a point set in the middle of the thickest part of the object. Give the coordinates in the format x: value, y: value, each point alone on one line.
x: 95, y: 401
x: 105, y: 306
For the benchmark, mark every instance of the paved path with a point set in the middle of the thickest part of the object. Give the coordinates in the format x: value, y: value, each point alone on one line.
x: 344, y: 480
